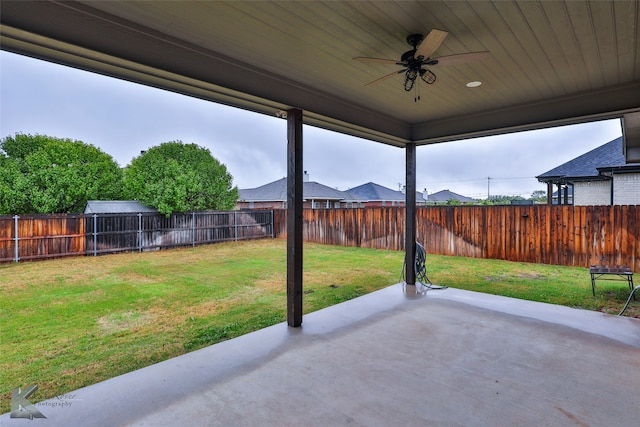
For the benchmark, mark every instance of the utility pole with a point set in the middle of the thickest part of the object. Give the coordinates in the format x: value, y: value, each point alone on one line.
x: 488, y: 187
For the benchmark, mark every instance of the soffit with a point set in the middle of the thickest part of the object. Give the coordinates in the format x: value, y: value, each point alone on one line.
x: 552, y: 62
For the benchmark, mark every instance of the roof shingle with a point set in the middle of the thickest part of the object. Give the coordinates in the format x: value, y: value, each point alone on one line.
x: 586, y: 166
x: 277, y: 191
x: 371, y: 191
x: 116, y: 206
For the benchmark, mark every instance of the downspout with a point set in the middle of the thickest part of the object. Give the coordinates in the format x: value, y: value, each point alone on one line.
x: 611, y: 190
x: 608, y: 174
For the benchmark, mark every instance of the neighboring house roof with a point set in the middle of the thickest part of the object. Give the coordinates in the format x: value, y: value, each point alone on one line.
x: 446, y: 195
x: 376, y: 192
x: 588, y: 166
x: 277, y: 191
x: 116, y: 206
x: 314, y: 190
x: 371, y: 191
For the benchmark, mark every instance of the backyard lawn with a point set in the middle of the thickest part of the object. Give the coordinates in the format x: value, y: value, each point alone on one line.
x: 68, y: 323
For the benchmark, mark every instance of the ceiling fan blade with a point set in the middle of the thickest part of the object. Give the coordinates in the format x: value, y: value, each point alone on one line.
x: 460, y: 58
x: 383, y: 78
x: 430, y: 44
x: 379, y: 60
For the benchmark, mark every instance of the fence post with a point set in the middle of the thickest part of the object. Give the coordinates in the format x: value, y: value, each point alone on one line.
x: 15, y: 221
x: 139, y: 232
x: 235, y: 225
x: 193, y: 228
x: 272, y: 225
x: 95, y: 235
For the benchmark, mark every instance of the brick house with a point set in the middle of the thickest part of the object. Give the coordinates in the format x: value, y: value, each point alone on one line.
x: 599, y: 177
x: 318, y: 196
x: 274, y: 196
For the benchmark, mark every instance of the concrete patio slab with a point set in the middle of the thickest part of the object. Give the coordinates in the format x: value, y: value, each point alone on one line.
x: 448, y: 358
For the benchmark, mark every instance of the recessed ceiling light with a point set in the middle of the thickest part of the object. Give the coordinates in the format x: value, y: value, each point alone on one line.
x: 474, y: 84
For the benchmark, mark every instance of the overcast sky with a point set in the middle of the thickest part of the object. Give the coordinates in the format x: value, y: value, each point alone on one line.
x: 123, y: 118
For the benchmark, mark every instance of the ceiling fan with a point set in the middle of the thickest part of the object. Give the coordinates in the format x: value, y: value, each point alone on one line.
x: 413, y: 61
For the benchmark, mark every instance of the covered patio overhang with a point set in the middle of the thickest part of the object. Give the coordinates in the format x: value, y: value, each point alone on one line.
x: 551, y: 63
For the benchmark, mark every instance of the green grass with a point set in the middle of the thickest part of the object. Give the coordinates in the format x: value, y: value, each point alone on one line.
x: 569, y: 286
x: 72, y: 322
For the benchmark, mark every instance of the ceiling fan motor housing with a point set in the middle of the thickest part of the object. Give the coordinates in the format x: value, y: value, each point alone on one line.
x: 414, y: 39
x: 407, y: 57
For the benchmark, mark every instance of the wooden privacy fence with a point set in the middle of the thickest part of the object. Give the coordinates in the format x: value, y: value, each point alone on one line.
x: 30, y: 237
x: 558, y: 235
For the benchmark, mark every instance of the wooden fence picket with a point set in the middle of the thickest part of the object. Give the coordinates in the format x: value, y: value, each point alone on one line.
x: 558, y: 235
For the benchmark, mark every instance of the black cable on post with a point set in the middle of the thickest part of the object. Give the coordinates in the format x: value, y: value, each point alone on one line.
x: 420, y: 265
x: 629, y: 300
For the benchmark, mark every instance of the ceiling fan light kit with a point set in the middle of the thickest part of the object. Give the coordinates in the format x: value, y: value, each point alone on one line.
x: 414, y: 60
x: 426, y: 76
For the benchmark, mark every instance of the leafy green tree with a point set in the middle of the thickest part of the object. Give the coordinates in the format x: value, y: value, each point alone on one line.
x: 539, y: 196
x: 177, y: 177
x: 14, y: 186
x: 43, y: 174
x: 503, y: 200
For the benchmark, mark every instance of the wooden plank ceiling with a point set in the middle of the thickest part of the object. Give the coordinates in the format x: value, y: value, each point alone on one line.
x: 552, y: 62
